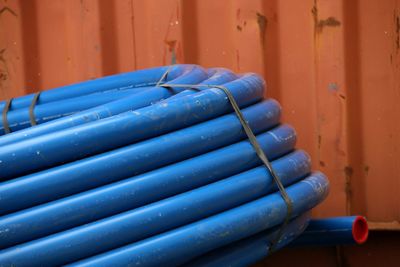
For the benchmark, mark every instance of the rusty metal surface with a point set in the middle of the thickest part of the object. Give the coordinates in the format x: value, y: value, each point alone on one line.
x: 333, y: 65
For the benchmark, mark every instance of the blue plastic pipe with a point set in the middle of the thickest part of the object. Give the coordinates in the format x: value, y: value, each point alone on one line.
x: 249, y: 251
x: 88, y: 173
x: 334, y: 231
x: 319, y: 232
x: 147, y: 122
x: 92, y: 138
x: 182, y: 244
x: 137, y: 191
x: 190, y: 74
x: 40, y: 153
x: 217, y: 74
x: 19, y: 119
x: 141, y: 190
x: 158, y: 217
x: 120, y: 105
x: 140, y: 78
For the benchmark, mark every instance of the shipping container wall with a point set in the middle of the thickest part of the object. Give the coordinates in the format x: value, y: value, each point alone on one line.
x: 334, y: 65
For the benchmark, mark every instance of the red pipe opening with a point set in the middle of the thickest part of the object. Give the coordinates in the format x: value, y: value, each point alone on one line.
x: 360, y: 230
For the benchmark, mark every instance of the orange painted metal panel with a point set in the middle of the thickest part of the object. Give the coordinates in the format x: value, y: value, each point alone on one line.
x: 333, y: 65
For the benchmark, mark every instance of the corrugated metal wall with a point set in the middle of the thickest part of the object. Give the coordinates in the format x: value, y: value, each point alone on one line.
x: 333, y: 65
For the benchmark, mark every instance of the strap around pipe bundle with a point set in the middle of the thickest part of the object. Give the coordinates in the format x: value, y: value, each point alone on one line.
x: 6, y: 108
x: 32, y: 108
x: 253, y: 140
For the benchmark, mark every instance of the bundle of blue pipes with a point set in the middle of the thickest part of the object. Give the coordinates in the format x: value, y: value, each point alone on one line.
x: 152, y: 167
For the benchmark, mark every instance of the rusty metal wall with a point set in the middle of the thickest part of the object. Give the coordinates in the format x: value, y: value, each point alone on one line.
x: 334, y: 65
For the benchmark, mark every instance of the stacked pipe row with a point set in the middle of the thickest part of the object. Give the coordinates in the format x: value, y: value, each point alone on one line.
x: 121, y: 170
x: 319, y: 232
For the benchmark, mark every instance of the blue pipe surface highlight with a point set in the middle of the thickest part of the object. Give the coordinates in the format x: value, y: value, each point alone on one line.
x: 158, y: 217
x: 189, y: 74
x: 88, y: 173
x: 140, y: 190
x: 251, y: 250
x: 182, y: 244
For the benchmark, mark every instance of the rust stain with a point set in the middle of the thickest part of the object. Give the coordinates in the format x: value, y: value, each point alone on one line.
x: 366, y: 169
x: 329, y: 22
x: 262, y: 24
x: 348, y: 171
x: 3, y: 72
x: 319, y: 141
x: 171, y: 44
x: 314, y: 12
x: 7, y: 9
x: 321, y: 163
x: 171, y: 48
x: 320, y: 24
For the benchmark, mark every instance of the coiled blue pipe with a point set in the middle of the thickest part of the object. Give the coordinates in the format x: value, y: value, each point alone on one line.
x: 249, y: 251
x: 189, y: 74
x: 19, y: 119
x: 167, y: 214
x: 165, y: 132
x: 143, y: 189
x: 125, y: 162
x: 105, y: 134
x: 182, y: 244
x: 140, y: 78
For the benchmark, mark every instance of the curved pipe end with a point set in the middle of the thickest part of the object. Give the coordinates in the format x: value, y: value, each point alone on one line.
x: 360, y: 230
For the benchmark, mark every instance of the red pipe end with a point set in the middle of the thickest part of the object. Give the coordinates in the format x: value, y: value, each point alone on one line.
x: 360, y: 230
